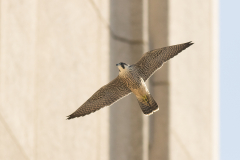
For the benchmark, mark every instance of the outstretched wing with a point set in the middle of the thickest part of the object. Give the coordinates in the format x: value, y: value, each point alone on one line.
x: 105, y: 96
x: 153, y: 60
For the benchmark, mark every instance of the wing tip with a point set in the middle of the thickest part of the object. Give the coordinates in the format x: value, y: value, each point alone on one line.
x: 74, y: 115
x: 190, y: 43
x: 70, y: 117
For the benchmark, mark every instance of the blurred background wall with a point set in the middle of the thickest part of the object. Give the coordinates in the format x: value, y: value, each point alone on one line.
x: 56, y: 54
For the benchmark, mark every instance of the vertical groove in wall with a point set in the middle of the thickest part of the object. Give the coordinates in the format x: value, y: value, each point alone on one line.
x: 35, y: 84
x: 145, y: 49
x: 126, y: 119
x: 159, y: 82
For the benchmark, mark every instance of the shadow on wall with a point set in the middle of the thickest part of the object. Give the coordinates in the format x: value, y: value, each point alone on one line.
x: 126, y: 123
x: 127, y: 45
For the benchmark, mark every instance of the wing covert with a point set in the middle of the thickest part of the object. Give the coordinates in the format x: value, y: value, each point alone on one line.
x: 154, y: 59
x: 105, y: 96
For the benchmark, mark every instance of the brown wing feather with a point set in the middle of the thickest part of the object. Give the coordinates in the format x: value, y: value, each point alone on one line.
x: 105, y: 96
x: 153, y: 60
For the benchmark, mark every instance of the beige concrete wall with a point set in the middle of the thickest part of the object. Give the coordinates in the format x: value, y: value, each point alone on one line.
x: 186, y: 87
x: 191, y: 81
x: 159, y: 82
x: 55, y: 54
x: 126, y: 45
x: 52, y: 53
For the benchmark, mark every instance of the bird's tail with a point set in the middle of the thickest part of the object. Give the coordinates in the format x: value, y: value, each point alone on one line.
x: 147, y: 104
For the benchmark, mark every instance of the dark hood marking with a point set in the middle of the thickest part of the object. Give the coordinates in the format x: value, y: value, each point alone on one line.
x: 122, y: 65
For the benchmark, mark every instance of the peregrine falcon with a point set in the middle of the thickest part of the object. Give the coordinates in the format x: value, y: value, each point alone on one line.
x: 131, y: 79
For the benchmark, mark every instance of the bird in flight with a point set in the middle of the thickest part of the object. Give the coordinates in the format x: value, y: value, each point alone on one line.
x: 131, y: 79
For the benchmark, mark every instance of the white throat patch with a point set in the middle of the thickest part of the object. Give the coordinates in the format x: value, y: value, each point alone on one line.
x: 123, y: 71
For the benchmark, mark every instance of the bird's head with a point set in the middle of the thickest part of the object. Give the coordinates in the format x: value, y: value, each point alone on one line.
x: 122, y: 66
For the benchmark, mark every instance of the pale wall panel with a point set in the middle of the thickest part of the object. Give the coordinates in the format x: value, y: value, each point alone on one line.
x: 188, y: 80
x: 191, y: 91
x: 69, y: 70
x: 18, y: 20
x: 54, y: 56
